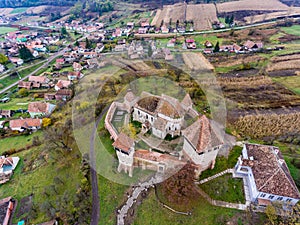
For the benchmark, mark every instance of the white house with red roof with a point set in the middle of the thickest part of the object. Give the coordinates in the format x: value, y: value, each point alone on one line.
x: 266, y: 175
x: 37, y: 109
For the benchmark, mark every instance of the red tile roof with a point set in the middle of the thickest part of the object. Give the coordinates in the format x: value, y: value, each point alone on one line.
x: 38, y: 107
x: 25, y: 123
x: 201, y: 135
x: 123, y: 142
x: 270, y: 171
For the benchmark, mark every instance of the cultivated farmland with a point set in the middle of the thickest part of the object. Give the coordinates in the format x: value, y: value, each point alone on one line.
x: 245, y: 5
x: 196, y: 61
x: 203, y: 15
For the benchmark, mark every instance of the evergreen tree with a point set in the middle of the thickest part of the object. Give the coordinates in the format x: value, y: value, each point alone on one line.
x: 150, y: 52
x: 25, y: 53
x: 217, y: 47
x: 88, y: 43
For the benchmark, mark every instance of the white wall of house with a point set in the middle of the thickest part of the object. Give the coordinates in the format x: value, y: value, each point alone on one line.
x: 205, y: 159
x: 142, y: 116
x: 246, y: 171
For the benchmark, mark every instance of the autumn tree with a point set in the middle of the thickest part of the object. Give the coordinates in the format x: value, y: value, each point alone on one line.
x: 180, y: 188
x: 3, y: 59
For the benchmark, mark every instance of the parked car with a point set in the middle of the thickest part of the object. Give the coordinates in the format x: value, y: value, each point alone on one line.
x: 5, y: 99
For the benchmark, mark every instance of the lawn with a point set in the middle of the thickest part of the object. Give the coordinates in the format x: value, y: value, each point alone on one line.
x: 16, y: 103
x: 294, y: 30
x: 222, y: 163
x: 290, y: 82
x: 17, y: 142
x: 5, y: 30
x: 225, y: 188
x: 151, y: 212
x: 19, y: 10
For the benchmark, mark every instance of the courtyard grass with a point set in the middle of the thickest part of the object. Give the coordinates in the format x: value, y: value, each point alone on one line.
x: 151, y: 212
x: 16, y: 103
x: 225, y: 188
x: 222, y: 163
x: 290, y: 82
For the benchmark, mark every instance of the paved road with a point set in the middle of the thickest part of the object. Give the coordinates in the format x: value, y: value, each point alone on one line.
x: 207, y: 31
x: 95, y: 217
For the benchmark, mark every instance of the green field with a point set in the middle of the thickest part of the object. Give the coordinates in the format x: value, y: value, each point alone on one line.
x: 17, y: 142
x: 225, y: 188
x: 19, y: 10
x: 291, y: 82
x: 294, y: 30
x: 4, y: 30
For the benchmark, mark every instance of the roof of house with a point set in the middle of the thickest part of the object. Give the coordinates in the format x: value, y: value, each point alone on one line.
x: 249, y: 44
x: 63, y: 83
x: 24, y: 84
x: 165, y: 105
x: 201, y: 135
x: 38, y: 107
x: 5, y: 112
x: 25, y: 123
x: 157, y: 157
x: 270, y: 171
x: 123, y: 142
x: 187, y: 101
x: 6, y: 162
x: 38, y: 79
x: 129, y: 97
x: 64, y: 92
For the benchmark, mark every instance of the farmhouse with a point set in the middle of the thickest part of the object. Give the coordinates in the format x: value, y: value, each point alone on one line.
x: 25, y: 124
x: 61, y: 84
x: 266, y: 175
x: 7, y: 165
x: 37, y: 109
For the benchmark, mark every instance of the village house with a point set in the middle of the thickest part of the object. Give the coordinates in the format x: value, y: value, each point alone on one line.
x: 60, y: 61
x: 16, y: 61
x: 25, y: 84
x: 142, y: 30
x: 63, y: 94
x: 171, y: 43
x: 7, y: 166
x: 190, y: 44
x: 266, y: 175
x: 72, y: 75
x: 5, y: 113
x: 38, y: 81
x: 77, y: 67
x: 253, y: 46
x: 7, y: 206
x: 2, y: 68
x: 25, y: 124
x: 62, y: 84
x: 37, y: 109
